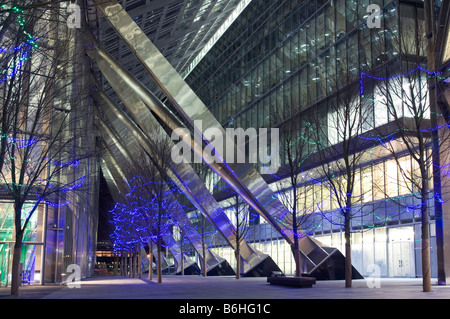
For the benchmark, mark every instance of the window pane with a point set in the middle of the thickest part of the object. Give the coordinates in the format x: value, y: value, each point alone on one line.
x: 367, y: 187
x: 404, y: 176
x: 391, y: 179
x: 378, y: 181
x: 340, y: 19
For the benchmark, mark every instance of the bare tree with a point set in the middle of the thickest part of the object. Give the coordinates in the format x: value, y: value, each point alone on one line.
x: 182, y: 241
x: 205, y: 230
x: 340, y: 152
x: 241, y: 216
x: 130, y: 226
x: 150, y: 258
x: 404, y: 93
x: 160, y: 189
x: 38, y: 117
x: 26, y: 5
x: 294, y: 151
x: 241, y: 219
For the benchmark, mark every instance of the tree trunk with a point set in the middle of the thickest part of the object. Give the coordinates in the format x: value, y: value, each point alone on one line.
x: 238, y: 239
x: 116, y: 265
x: 15, y: 271
x: 431, y: 64
x: 150, y: 266
x: 296, y: 254
x: 295, y: 246
x: 140, y: 266
x: 130, y: 261
x: 135, y: 264
x: 158, y: 244
x: 150, y: 260
x: 426, y: 268
x: 139, y: 262
x: 237, y: 253
x: 182, y: 264
x: 348, y: 249
x: 205, y: 266
x: 295, y: 226
x: 17, y: 250
x: 158, y: 265
x: 121, y: 264
x: 125, y: 268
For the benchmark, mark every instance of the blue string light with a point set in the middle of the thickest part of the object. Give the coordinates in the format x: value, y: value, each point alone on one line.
x: 75, y: 184
x: 379, y: 78
x: 56, y: 205
x: 73, y: 163
x: 26, y: 47
x: 16, y: 68
x: 19, y: 143
x: 133, y: 221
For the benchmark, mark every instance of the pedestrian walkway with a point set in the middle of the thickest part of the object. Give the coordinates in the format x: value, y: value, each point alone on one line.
x: 197, y: 287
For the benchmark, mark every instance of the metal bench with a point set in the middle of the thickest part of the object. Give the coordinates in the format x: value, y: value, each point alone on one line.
x: 299, y: 282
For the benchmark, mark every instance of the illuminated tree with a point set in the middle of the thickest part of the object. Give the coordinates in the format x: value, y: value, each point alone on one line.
x: 206, y: 231
x: 182, y: 241
x: 157, y: 190
x: 38, y: 132
x: 339, y: 152
x: 404, y: 93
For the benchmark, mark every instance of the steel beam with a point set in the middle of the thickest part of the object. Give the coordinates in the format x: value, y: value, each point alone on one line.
x: 182, y: 174
x: 125, y: 154
x: 120, y: 154
x: 242, y: 177
x: 145, y: 128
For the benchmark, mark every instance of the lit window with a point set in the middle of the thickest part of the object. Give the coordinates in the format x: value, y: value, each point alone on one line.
x: 404, y: 183
x: 378, y: 181
x: 391, y: 179
x: 366, y: 176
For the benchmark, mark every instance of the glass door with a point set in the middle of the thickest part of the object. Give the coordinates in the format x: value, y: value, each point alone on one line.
x: 32, y: 248
x: 401, y: 259
x: 401, y: 252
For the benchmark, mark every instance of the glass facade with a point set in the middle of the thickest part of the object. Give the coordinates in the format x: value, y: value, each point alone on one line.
x: 283, y: 60
x: 285, y: 57
x: 62, y: 230
x: 31, y: 256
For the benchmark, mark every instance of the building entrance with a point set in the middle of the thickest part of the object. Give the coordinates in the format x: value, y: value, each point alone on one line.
x: 401, y: 252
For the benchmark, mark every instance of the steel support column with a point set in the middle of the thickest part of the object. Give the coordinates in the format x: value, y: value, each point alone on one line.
x: 242, y: 178
x: 128, y: 152
x: 145, y: 128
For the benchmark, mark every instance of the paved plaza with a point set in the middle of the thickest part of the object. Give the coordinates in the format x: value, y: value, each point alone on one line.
x: 225, y: 297
x: 197, y: 287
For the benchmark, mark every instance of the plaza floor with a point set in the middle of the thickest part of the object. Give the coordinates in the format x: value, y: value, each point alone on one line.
x: 197, y: 287
x: 225, y: 297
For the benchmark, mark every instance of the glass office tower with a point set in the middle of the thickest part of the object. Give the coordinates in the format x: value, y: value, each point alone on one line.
x: 282, y: 61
